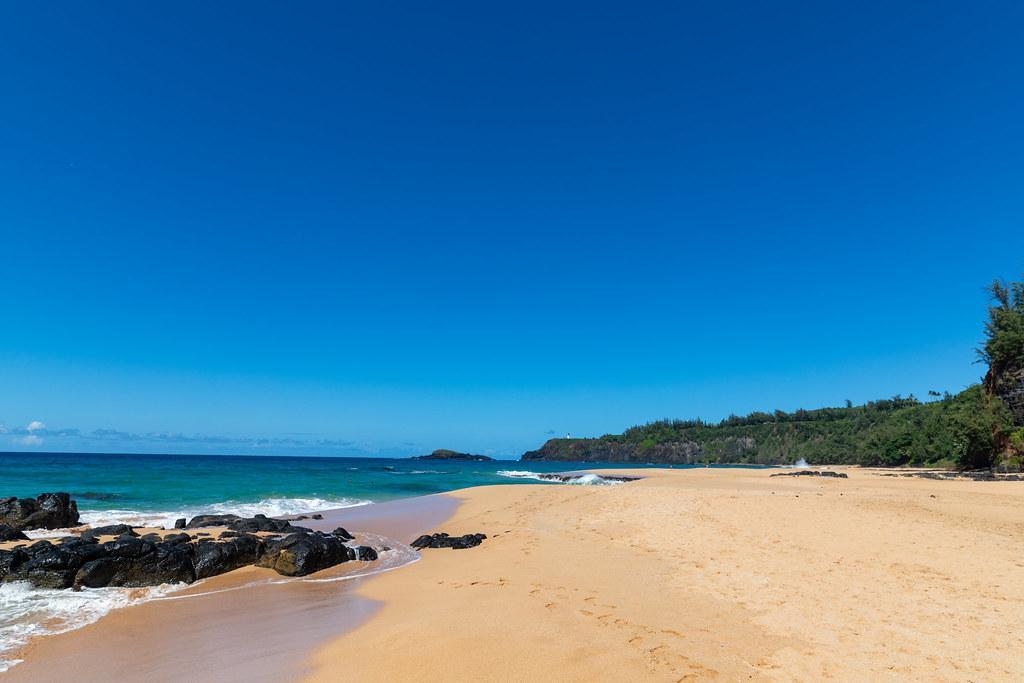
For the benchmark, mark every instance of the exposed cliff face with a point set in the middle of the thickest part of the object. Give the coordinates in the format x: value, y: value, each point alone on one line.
x: 600, y: 450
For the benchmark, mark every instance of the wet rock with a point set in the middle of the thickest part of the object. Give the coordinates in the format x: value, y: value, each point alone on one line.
x: 9, y: 533
x: 10, y: 561
x: 341, y: 533
x: 177, y: 538
x: 443, y: 540
x: 364, y: 553
x: 317, y: 516
x: 47, y: 511
x: 211, y: 520
x: 133, y: 562
x: 263, y: 523
x: 216, y: 557
x: 46, y: 565
x: 110, y: 530
x: 299, y: 554
x: 179, y: 523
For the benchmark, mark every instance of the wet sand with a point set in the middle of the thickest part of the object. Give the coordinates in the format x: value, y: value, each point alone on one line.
x: 226, y: 629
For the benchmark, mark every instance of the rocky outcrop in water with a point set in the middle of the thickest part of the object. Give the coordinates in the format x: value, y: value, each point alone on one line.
x: 443, y: 540
x: 47, y: 511
x: 132, y: 561
x: 445, y: 454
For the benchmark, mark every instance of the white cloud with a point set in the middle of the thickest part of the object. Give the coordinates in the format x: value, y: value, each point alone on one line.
x: 35, y: 426
x: 3, y: 428
x: 30, y: 440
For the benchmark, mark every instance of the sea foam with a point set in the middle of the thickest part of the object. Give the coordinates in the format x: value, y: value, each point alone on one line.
x: 271, y: 507
x: 586, y: 479
x: 27, y: 612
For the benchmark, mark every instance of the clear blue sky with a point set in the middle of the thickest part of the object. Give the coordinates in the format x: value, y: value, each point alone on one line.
x: 385, y: 227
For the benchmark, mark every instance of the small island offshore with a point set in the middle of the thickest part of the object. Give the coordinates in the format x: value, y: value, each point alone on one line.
x: 445, y: 454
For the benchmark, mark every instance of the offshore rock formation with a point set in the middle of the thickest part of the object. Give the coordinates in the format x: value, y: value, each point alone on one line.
x: 47, y: 511
x: 445, y: 454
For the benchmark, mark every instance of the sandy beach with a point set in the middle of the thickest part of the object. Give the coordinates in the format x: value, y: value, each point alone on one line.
x: 708, y: 574
x: 725, y: 574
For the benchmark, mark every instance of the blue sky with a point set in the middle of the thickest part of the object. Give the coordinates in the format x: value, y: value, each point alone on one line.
x: 383, y: 228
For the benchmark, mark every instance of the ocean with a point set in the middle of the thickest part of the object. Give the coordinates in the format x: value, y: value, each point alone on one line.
x: 154, y: 490
x: 157, y: 489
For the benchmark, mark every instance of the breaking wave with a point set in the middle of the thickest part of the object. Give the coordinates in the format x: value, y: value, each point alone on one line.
x: 27, y: 612
x: 586, y: 479
x: 271, y: 507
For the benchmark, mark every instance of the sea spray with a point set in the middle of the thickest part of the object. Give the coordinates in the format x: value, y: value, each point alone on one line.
x: 271, y: 507
x: 583, y: 479
x: 27, y: 612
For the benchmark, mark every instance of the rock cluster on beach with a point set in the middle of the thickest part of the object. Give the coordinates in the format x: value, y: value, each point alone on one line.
x: 47, y: 511
x: 443, y: 540
x: 132, y: 560
x: 812, y: 473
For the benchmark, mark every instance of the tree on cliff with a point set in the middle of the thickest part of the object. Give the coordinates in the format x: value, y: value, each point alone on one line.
x: 1003, y: 351
x: 1004, y: 331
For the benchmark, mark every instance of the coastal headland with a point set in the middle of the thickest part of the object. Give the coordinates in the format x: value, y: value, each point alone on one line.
x: 697, y: 574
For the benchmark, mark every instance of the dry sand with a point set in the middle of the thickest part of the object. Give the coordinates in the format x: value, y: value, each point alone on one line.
x: 708, y: 574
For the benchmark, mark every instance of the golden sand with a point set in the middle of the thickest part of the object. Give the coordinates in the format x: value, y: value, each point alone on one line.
x: 704, y: 575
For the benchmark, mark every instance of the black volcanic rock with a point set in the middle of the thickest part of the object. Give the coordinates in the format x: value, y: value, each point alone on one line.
x: 244, y: 524
x: 443, y: 540
x: 263, y: 523
x: 300, y: 554
x: 445, y: 454
x: 9, y: 533
x: 216, y: 557
x: 132, y: 561
x: 109, y: 530
x: 180, y: 523
x: 47, y: 511
x: 200, y: 521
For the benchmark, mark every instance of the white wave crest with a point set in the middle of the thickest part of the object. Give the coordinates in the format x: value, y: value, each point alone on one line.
x: 27, y: 612
x: 271, y: 507
x: 587, y: 479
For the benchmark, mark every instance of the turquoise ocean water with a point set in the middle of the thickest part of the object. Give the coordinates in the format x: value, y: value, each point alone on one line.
x: 153, y: 489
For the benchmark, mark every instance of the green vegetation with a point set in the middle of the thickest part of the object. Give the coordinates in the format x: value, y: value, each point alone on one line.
x: 897, y: 431
x: 977, y: 428
x: 1003, y: 350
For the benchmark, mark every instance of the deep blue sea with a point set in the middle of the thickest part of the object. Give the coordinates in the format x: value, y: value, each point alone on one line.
x: 156, y: 489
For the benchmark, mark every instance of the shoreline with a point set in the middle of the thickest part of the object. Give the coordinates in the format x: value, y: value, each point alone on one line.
x: 685, y: 573
x: 232, y: 611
